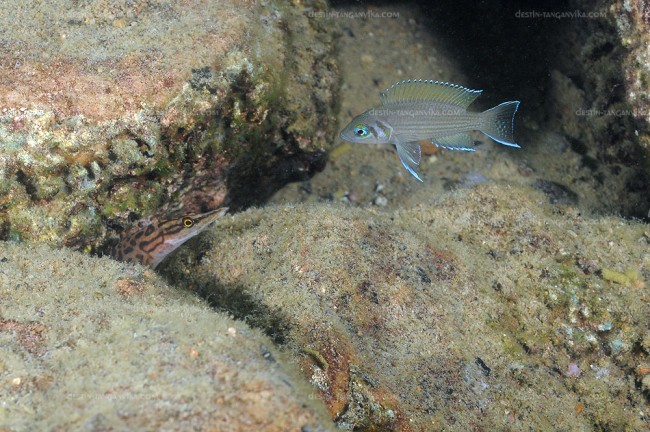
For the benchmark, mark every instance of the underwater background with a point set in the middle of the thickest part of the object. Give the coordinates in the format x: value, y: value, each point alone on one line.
x: 506, y: 291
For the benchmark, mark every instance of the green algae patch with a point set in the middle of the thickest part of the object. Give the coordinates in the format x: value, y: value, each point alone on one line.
x: 88, y: 343
x: 340, y: 151
x: 627, y: 279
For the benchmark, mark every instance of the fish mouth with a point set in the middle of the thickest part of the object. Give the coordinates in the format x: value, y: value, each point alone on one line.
x: 342, y: 136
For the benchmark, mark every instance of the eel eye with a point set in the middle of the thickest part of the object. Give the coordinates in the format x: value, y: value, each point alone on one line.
x: 361, y: 131
x: 188, y: 222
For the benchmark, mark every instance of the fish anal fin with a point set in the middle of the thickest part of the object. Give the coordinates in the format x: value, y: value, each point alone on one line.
x: 459, y: 142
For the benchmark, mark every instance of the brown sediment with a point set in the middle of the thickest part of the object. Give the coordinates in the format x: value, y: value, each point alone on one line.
x: 30, y: 335
x: 71, y: 88
x: 128, y: 287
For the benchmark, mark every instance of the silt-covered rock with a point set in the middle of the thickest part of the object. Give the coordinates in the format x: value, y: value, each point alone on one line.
x: 488, y: 310
x: 92, y: 344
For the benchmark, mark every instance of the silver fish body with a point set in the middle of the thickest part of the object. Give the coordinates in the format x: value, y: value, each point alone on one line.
x: 412, y: 111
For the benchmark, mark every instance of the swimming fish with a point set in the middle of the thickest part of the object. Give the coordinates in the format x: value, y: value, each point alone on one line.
x: 416, y: 110
x: 156, y: 238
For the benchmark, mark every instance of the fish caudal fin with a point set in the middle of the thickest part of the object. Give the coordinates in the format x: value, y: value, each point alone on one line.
x: 499, y: 123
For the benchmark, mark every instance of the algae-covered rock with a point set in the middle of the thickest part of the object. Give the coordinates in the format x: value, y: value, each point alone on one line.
x: 106, y: 107
x: 488, y: 310
x: 592, y: 101
x: 90, y: 344
x: 633, y: 25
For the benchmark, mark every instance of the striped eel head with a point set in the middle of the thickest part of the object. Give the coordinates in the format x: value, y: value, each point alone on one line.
x: 156, y: 238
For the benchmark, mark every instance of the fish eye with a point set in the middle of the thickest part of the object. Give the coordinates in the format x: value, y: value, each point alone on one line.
x: 188, y: 222
x: 361, y: 130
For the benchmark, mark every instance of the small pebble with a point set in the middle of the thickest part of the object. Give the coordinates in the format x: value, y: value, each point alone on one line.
x: 573, y: 370
x: 604, y: 327
x: 600, y: 372
x: 643, y: 369
x: 367, y: 59
x: 588, y: 266
x: 616, y: 346
x: 380, y: 201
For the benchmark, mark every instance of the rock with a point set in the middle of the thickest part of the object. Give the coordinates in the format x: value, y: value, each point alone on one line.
x: 380, y: 201
x: 633, y: 25
x: 91, y: 344
x: 567, y: 97
x: 107, y: 107
x: 556, y: 192
x: 388, y: 312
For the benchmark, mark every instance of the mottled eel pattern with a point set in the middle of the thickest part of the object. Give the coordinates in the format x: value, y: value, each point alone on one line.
x: 195, y: 206
x: 157, y: 238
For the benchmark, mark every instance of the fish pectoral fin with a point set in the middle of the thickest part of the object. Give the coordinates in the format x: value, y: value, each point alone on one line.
x: 460, y: 141
x: 410, y: 154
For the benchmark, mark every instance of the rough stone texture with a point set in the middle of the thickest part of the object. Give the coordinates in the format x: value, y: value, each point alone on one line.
x: 490, y: 310
x: 106, y: 107
x: 91, y: 344
x: 633, y: 24
x: 587, y: 101
x: 599, y: 96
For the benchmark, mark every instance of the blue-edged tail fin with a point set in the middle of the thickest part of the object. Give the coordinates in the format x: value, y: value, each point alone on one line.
x: 499, y: 123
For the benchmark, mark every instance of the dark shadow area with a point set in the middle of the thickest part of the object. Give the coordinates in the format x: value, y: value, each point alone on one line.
x: 235, y: 301
x: 275, y: 158
x: 252, y: 182
x: 507, y: 56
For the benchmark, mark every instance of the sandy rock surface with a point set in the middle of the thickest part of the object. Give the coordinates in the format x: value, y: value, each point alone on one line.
x: 91, y: 344
x: 488, y: 310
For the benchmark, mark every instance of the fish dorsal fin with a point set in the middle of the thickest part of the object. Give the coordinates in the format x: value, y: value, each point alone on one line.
x: 429, y: 91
